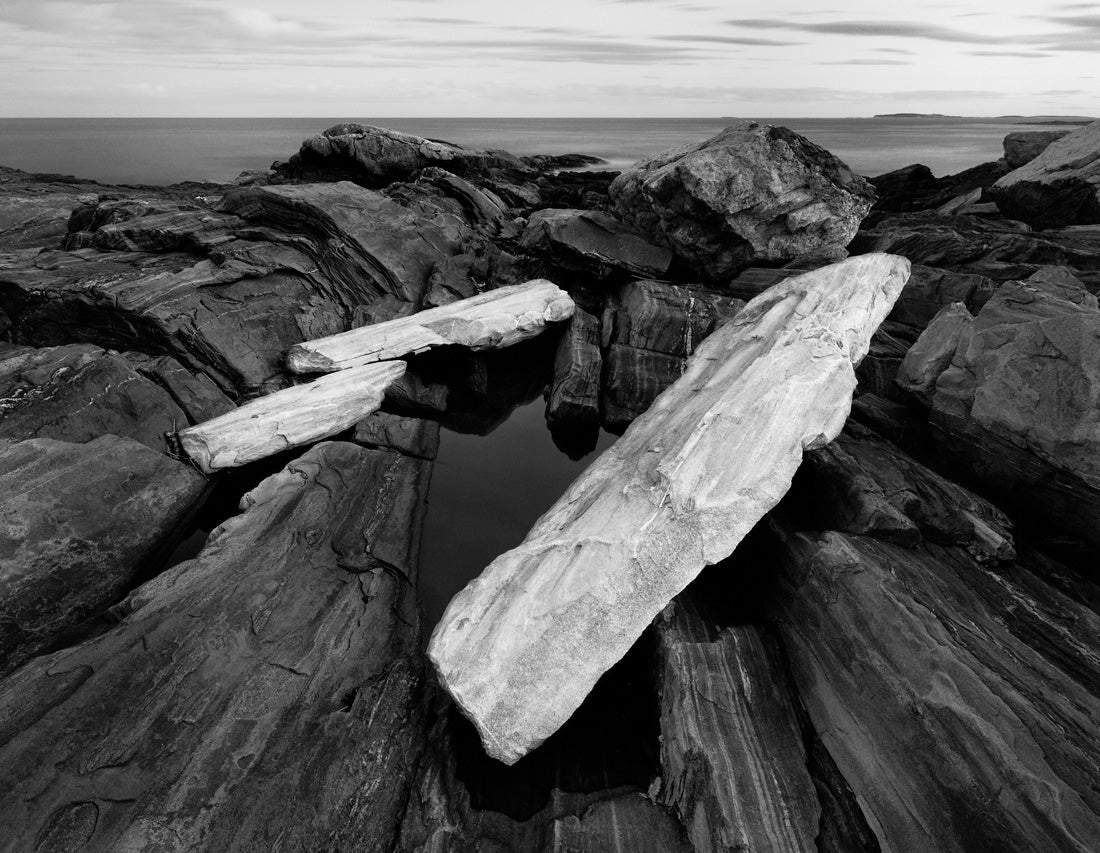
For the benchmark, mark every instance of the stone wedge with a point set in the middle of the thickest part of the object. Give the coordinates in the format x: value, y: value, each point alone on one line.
x: 498, y: 318
x: 289, y: 418
x: 522, y: 645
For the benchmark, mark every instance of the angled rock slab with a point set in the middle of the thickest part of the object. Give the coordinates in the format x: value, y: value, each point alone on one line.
x: 523, y: 644
x: 491, y: 320
x: 289, y: 418
x: 263, y: 696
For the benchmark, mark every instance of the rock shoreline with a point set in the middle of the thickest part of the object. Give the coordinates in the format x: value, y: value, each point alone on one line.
x: 903, y: 654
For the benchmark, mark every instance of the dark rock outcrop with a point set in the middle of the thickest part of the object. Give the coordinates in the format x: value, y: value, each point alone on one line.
x: 753, y: 193
x: 79, y: 392
x: 595, y: 243
x: 929, y: 289
x: 1059, y: 187
x: 412, y: 436
x: 78, y: 522
x: 375, y: 156
x: 574, y: 399
x: 1023, y: 146
x: 649, y: 330
x: 1019, y: 405
x: 915, y: 188
x: 266, y: 694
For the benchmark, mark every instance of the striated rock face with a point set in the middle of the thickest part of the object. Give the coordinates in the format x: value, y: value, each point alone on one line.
x: 412, y: 436
x: 649, y: 329
x: 376, y: 156
x: 574, y: 400
x: 1059, y: 187
x: 523, y: 644
x: 264, y: 695
x: 752, y: 193
x: 79, y: 392
x: 1019, y: 404
x: 1023, y: 146
x: 961, y: 713
x: 77, y: 524
x: 930, y: 289
x: 594, y: 242
x: 733, y: 760
x: 35, y: 209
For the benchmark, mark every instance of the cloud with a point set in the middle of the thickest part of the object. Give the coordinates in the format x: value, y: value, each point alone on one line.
x: 742, y: 40
x: 901, y: 29
x: 1016, y: 54
x: 866, y: 62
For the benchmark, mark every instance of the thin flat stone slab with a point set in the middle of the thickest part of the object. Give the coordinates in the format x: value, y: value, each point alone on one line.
x: 522, y: 645
x: 289, y: 418
x: 490, y: 320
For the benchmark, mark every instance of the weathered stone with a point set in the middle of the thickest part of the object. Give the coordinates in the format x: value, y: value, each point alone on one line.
x: 933, y: 352
x: 594, y: 242
x: 492, y: 320
x: 263, y: 695
x: 930, y: 289
x: 411, y: 436
x: 195, y: 393
x: 1059, y: 187
x: 959, y: 700
x: 289, y: 418
x: 522, y: 645
x: 79, y: 392
x: 77, y: 524
x: 1023, y: 146
x: 1019, y: 405
x: 733, y: 761
x: 751, y: 193
x: 376, y: 156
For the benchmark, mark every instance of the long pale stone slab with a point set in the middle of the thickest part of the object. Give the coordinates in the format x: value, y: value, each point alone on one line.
x: 490, y: 320
x: 522, y: 645
x: 289, y: 418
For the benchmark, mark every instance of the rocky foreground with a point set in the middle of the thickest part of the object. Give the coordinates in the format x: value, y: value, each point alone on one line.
x: 902, y: 653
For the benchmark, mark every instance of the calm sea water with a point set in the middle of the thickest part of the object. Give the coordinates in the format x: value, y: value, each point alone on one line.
x: 159, y: 151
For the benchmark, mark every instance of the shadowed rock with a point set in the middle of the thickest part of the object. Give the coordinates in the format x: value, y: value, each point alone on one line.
x: 1023, y: 146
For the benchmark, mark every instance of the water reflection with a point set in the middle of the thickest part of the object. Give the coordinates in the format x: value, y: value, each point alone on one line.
x: 486, y: 493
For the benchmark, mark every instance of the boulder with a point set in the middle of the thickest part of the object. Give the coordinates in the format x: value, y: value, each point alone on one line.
x: 930, y: 289
x: 933, y: 352
x: 1059, y: 187
x: 752, y: 193
x: 594, y: 242
x: 916, y: 188
x: 1023, y: 146
x: 376, y: 156
x: 78, y: 523
x: 524, y: 643
x: 1018, y: 407
x: 265, y: 694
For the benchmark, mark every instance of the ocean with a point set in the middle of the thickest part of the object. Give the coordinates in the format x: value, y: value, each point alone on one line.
x: 166, y: 150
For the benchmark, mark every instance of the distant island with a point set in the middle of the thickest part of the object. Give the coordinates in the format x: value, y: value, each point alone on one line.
x: 914, y: 115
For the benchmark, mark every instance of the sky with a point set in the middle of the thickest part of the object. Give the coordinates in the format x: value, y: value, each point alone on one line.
x: 549, y: 58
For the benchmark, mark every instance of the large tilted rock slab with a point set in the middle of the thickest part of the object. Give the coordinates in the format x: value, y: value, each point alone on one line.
x: 522, y: 645
x: 491, y: 320
x: 1023, y: 146
x: 263, y: 696
x: 1015, y: 398
x: 1059, y: 187
x: 289, y: 418
x: 77, y: 524
x: 595, y: 242
x: 751, y: 193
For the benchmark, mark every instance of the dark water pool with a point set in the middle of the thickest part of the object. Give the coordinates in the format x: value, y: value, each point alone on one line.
x: 486, y: 493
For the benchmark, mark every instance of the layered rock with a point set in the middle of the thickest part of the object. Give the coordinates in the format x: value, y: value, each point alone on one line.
x: 930, y: 289
x: 594, y: 242
x: 376, y: 156
x: 35, y: 209
x: 1023, y: 146
x: 493, y: 320
x: 733, y: 759
x: 574, y: 399
x: 412, y: 436
x: 264, y: 694
x: 522, y: 645
x: 914, y: 187
x: 1018, y: 407
x: 649, y: 329
x: 78, y: 522
x: 79, y: 392
x: 1059, y: 187
x: 958, y: 709
x: 751, y: 193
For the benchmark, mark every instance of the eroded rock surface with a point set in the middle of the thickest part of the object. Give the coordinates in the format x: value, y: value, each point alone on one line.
x: 1023, y: 146
x: 594, y: 242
